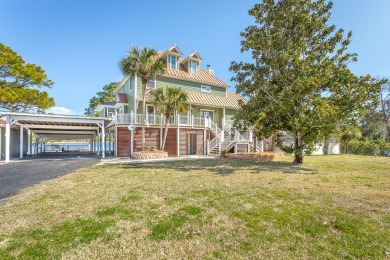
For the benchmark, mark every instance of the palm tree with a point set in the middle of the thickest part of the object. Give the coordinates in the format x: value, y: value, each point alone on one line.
x: 169, y: 100
x: 348, y: 136
x: 142, y: 63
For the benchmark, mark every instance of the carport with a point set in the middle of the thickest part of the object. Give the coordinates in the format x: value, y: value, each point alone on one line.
x: 55, y: 127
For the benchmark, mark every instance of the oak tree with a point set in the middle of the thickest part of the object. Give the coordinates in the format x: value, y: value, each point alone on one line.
x: 299, y: 80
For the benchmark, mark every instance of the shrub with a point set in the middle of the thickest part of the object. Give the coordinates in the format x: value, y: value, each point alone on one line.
x: 369, y: 147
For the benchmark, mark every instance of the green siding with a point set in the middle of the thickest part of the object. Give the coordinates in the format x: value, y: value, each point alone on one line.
x: 187, y: 86
x: 229, y: 113
x: 139, y: 86
x: 217, y: 113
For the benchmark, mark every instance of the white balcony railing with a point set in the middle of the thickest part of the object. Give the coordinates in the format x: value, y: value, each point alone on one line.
x: 136, y: 119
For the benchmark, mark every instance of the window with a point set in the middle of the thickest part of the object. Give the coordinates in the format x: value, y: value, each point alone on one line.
x: 172, y: 62
x: 204, y: 88
x: 110, y: 112
x: 151, y: 82
x: 207, y: 113
x: 193, y: 67
x: 150, y: 119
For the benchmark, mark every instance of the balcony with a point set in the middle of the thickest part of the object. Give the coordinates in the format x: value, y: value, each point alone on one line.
x: 159, y: 120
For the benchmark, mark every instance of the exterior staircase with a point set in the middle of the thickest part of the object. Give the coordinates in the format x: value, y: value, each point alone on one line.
x: 223, y: 139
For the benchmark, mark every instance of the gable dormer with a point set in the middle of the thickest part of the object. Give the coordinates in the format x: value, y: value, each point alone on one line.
x: 171, y: 57
x: 192, y: 62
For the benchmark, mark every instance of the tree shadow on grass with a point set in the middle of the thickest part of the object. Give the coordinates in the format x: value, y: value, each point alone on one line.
x: 222, y: 166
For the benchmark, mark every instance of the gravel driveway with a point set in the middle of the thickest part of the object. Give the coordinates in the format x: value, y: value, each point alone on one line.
x: 20, y: 174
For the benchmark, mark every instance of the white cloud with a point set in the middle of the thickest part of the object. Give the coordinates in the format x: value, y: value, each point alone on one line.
x: 60, y: 111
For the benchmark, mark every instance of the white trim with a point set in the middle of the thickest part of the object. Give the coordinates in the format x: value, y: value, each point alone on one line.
x: 135, y: 94
x: 27, y: 116
x: 169, y: 62
x: 201, y: 88
x: 120, y: 84
x: 116, y: 141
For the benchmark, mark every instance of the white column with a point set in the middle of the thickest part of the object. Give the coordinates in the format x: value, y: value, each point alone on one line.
x: 161, y: 129
x: 116, y: 142
x: 21, y: 143
x: 109, y: 141
x: 30, y: 145
x: 98, y: 143
x: 103, y: 142
x: 7, y: 138
x: 178, y: 141
x: 251, y: 135
x: 131, y: 143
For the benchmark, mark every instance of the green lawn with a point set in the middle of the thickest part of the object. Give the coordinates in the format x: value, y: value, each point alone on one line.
x: 331, y: 207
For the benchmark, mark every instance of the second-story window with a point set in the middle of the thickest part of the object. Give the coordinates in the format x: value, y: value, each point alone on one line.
x: 193, y: 67
x: 151, y: 82
x: 172, y: 62
x: 205, y: 88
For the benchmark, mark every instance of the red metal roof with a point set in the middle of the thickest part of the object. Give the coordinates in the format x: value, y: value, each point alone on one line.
x: 202, y: 76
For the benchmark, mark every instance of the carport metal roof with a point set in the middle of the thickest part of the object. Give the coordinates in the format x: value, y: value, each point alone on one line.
x: 56, y: 127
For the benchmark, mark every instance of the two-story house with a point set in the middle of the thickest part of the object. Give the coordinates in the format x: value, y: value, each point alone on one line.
x: 206, y: 126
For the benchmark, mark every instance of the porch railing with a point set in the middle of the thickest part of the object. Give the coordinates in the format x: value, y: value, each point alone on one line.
x: 136, y: 119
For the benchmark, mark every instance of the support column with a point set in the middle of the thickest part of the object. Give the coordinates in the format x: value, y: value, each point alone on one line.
x: 21, y: 142
x: 116, y: 142
x: 7, y: 138
x: 131, y: 143
x: 98, y: 143
x: 41, y: 144
x: 109, y: 141
x: 103, y: 142
x: 1, y: 129
x: 161, y: 129
x: 30, y: 145
x: 178, y: 137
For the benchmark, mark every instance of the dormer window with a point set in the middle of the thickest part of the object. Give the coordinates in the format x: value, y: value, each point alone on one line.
x: 193, y: 65
x: 172, y: 62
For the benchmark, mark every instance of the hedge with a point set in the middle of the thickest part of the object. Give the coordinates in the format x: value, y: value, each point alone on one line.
x: 369, y: 147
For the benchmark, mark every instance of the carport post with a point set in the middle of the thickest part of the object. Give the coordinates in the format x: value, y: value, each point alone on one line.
x: 98, y: 143
x: 7, y: 138
x: 109, y: 141
x: 30, y: 145
x: 103, y: 142
x: 21, y: 142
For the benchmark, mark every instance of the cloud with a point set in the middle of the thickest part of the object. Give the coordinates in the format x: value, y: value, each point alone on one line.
x: 60, y: 111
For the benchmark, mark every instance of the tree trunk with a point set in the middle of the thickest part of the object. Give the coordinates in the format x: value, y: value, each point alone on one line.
x: 388, y: 132
x: 298, y: 150
x: 143, y: 115
x: 165, y: 132
x: 325, y: 149
x: 255, y: 143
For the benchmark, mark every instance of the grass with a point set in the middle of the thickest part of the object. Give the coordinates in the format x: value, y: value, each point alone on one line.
x: 331, y: 207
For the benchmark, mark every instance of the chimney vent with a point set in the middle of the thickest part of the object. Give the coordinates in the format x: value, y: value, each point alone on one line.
x: 209, y: 70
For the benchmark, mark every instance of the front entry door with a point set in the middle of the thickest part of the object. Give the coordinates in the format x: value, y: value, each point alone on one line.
x: 191, y: 144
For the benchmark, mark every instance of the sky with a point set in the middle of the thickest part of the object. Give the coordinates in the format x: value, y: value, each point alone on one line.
x: 79, y: 42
